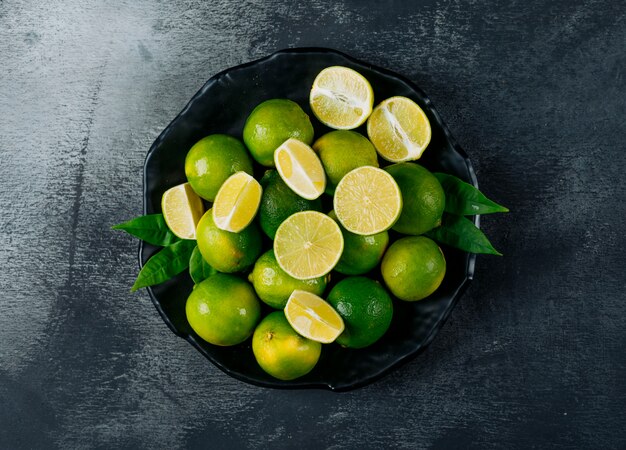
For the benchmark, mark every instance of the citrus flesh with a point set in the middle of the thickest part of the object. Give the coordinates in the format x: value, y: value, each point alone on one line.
x: 273, y: 122
x: 341, y: 151
x: 308, y: 245
x: 237, y: 202
x: 280, y: 351
x: 212, y: 160
x: 223, y: 309
x: 341, y: 98
x: 367, y: 201
x: 182, y: 210
x: 300, y: 169
x: 313, y: 318
x: 274, y: 286
x: 399, y: 129
x: 413, y: 268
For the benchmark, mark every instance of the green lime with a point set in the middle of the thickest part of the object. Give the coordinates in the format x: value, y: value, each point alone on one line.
x: 212, y: 160
x: 223, y: 309
x: 226, y: 251
x: 341, y: 151
x: 273, y: 122
x: 423, y: 198
x: 279, y: 202
x: 360, y: 253
x: 274, y: 286
x: 282, y: 352
x: 366, y: 309
x: 413, y: 268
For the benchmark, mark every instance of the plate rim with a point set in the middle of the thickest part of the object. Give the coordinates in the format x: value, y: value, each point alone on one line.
x: 470, y: 266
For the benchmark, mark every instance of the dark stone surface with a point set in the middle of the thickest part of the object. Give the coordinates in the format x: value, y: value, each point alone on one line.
x: 534, y: 355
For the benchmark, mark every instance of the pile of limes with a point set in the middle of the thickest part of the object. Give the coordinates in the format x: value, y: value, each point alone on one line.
x: 311, y: 236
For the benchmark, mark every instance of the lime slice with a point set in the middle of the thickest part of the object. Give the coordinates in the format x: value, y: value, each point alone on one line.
x: 313, y: 318
x: 308, y: 244
x: 182, y: 210
x: 399, y: 129
x: 237, y: 202
x: 300, y: 169
x: 341, y: 98
x: 367, y: 201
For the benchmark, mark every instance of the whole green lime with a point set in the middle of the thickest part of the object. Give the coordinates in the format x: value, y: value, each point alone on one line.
x: 413, y: 268
x: 366, y: 309
x: 360, y: 253
x: 274, y: 286
x: 279, y: 202
x: 225, y: 251
x: 223, y: 309
x: 212, y: 160
x: 423, y: 198
x: 282, y: 352
x: 273, y: 122
x: 341, y: 151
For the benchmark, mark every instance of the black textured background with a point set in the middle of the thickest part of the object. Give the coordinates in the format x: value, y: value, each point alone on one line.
x: 534, y: 355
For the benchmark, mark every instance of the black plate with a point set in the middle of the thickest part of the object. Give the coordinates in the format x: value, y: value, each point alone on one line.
x: 221, y: 106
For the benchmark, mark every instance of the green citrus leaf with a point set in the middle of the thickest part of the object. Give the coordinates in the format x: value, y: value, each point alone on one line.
x: 464, y: 199
x: 150, y: 228
x: 199, y: 269
x: 166, y: 264
x: 460, y: 232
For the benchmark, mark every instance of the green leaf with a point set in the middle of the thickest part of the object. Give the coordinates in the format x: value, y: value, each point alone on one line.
x: 199, y: 269
x: 166, y: 264
x: 150, y: 228
x: 464, y: 199
x: 460, y: 232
